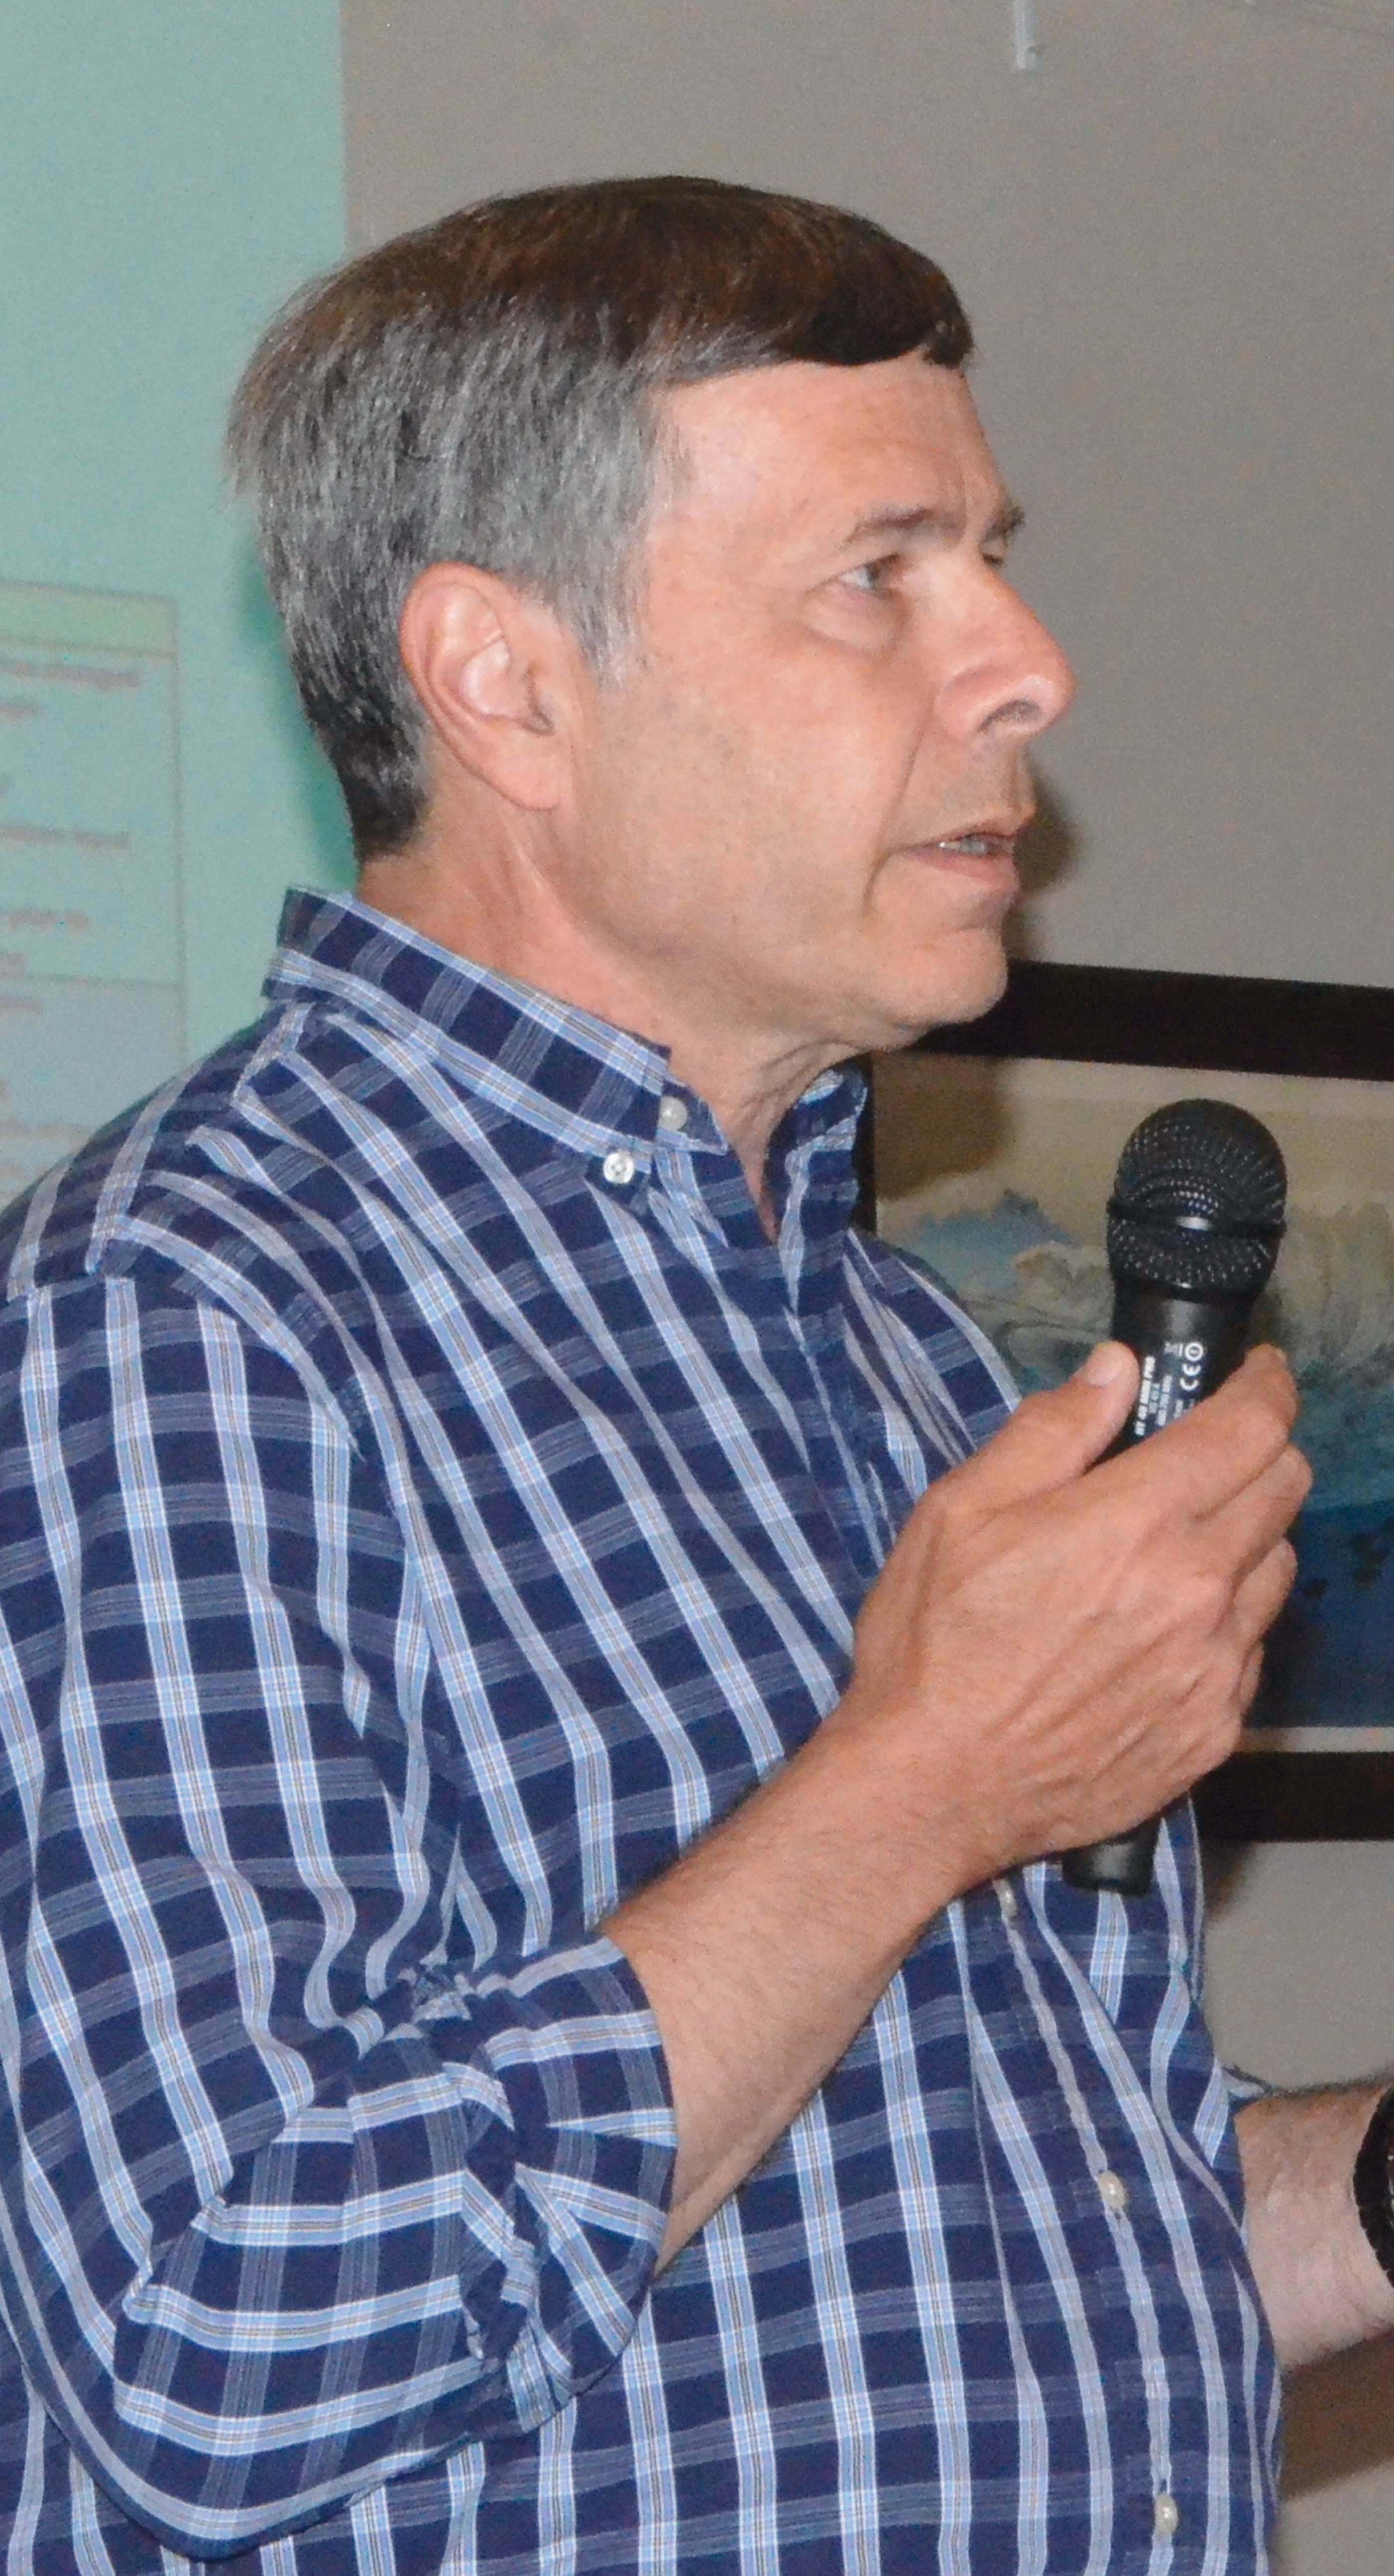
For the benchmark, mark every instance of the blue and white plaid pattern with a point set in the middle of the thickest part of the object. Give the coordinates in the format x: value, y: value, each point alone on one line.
x: 427, y: 1500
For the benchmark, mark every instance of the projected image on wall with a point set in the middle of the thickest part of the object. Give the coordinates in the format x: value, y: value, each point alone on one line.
x: 91, y: 939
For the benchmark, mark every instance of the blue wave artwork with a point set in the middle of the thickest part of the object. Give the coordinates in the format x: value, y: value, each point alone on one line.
x: 1045, y: 1297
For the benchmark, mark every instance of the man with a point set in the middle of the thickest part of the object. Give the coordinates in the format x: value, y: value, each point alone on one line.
x: 542, y: 2030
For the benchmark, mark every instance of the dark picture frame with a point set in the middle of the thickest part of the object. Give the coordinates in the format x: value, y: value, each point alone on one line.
x: 1193, y: 1024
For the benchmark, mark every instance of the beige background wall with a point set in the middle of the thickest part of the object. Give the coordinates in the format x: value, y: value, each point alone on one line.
x: 1174, y: 240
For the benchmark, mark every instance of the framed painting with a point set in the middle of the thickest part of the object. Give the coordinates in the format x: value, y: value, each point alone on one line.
x: 990, y: 1151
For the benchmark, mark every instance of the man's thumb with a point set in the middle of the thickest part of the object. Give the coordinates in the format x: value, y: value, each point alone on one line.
x: 1052, y: 1438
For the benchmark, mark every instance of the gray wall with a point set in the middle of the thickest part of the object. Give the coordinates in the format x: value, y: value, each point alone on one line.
x: 1175, y: 244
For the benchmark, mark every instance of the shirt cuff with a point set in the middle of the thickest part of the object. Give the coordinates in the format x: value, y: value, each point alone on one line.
x: 572, y: 2045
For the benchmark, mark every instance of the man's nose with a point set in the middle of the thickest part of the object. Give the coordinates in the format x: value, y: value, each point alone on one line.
x: 1012, y: 679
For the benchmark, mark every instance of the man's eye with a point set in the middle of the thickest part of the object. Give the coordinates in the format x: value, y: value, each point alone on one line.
x: 876, y: 575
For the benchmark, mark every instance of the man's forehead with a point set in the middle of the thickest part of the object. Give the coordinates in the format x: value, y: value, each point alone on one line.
x: 830, y: 454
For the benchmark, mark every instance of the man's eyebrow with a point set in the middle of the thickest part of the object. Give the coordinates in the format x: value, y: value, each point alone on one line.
x: 1010, y: 520
x: 928, y: 522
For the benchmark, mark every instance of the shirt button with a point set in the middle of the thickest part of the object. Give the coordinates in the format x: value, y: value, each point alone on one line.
x: 1113, y: 2192
x: 672, y: 1113
x: 618, y: 1167
x: 1006, y: 1898
x: 1166, y: 2517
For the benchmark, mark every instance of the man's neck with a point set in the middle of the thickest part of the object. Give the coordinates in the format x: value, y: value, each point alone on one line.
x: 748, y: 1080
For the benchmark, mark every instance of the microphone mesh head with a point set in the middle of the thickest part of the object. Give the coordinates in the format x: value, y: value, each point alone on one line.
x: 1197, y: 1207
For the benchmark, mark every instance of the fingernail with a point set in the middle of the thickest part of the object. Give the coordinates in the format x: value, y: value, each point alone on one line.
x: 1106, y: 1362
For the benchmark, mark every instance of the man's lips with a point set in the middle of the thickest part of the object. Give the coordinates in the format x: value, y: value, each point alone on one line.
x: 987, y: 856
x: 989, y: 836
x: 977, y: 845
x: 982, y: 856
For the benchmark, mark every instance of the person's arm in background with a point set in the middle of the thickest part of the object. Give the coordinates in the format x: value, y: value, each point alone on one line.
x: 1315, y: 2266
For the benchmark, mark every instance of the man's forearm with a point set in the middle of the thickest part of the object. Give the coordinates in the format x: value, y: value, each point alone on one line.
x: 1319, y: 2279
x: 763, y: 1952
x: 1045, y: 1657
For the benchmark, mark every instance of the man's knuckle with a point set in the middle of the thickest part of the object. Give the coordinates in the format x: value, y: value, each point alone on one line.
x: 1205, y: 1597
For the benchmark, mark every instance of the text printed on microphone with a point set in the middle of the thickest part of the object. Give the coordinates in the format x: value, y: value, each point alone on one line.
x: 1173, y: 1380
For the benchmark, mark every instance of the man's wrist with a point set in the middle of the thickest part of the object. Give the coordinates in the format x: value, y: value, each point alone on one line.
x: 1373, y: 2183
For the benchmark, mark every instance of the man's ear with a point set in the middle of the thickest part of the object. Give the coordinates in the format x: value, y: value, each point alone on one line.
x: 499, y: 678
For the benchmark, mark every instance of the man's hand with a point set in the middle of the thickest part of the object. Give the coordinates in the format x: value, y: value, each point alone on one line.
x: 1047, y: 1657
x: 1058, y: 1655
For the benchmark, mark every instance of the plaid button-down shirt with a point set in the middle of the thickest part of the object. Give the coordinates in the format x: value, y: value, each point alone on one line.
x: 427, y: 1500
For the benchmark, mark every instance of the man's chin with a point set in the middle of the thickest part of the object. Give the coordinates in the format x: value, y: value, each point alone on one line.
x: 950, y: 997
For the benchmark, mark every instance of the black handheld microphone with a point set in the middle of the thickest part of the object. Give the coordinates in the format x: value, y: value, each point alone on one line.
x: 1194, y: 1226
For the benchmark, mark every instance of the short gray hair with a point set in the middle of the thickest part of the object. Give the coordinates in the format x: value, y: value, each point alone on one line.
x: 482, y: 391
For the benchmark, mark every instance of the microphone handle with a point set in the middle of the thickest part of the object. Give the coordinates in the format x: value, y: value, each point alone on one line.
x: 1188, y: 1346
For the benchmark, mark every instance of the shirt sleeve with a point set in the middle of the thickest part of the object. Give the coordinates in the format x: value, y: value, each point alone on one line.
x: 295, y: 2198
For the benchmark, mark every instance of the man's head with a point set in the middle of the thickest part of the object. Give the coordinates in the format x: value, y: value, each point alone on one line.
x: 640, y: 556
x: 485, y: 391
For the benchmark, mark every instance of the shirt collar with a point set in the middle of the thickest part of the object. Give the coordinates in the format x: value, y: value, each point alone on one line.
x: 589, y: 1086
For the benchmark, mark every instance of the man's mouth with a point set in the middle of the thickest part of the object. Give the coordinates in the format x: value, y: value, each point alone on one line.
x: 980, y: 845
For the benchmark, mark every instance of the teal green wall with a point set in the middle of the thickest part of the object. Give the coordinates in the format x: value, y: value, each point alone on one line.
x: 169, y: 169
